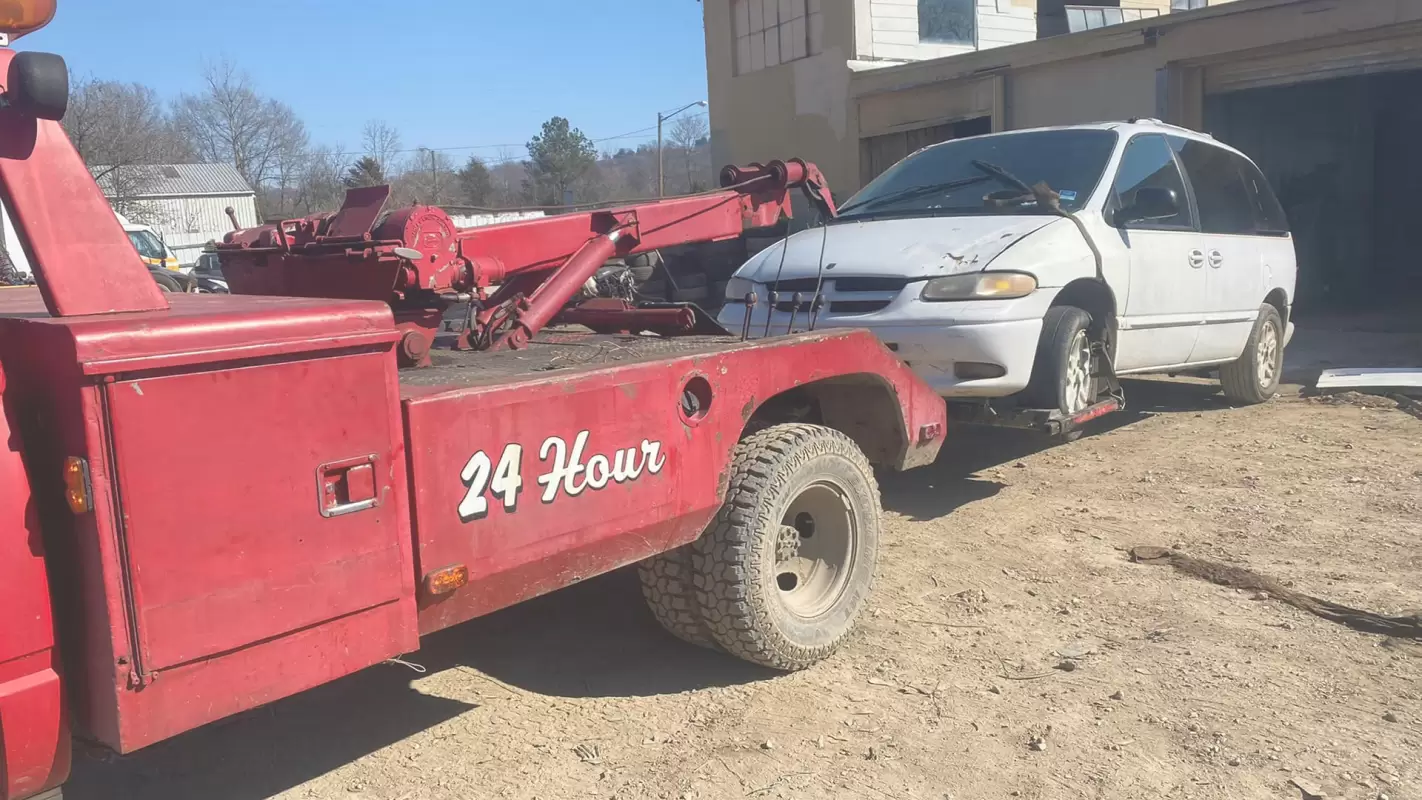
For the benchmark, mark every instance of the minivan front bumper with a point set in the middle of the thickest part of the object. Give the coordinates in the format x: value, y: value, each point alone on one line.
x: 936, y: 338
x: 936, y: 353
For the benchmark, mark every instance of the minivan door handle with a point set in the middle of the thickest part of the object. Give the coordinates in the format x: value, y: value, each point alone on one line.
x: 1197, y: 258
x: 1216, y: 259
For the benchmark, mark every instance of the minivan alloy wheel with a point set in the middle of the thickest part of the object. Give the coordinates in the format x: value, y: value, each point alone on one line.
x: 1267, y: 356
x: 1078, y: 374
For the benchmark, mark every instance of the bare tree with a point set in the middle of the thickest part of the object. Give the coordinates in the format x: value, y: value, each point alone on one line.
x: 121, y: 131
x: 229, y: 122
x: 322, y: 187
x: 429, y: 177
x: 687, y: 135
x: 382, y: 143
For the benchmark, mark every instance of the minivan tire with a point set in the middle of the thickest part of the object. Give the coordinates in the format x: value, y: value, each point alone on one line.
x: 1253, y: 378
x: 1056, y: 381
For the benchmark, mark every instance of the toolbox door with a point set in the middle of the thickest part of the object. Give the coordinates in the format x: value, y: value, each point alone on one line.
x: 263, y: 537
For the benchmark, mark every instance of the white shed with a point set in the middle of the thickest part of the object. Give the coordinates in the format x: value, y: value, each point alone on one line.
x: 186, y: 203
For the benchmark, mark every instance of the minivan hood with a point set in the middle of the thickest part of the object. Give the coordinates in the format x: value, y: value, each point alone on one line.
x: 913, y: 248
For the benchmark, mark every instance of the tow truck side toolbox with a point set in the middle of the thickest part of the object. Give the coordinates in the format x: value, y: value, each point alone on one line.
x: 223, y: 527
x: 250, y: 535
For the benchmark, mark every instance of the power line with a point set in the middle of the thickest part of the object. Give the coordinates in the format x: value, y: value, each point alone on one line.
x: 523, y: 145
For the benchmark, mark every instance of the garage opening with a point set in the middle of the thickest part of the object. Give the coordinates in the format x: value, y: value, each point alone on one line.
x: 1344, y: 158
x: 878, y: 153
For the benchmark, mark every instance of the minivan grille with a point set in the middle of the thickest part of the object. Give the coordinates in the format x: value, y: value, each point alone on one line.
x: 888, y: 284
x: 847, y: 295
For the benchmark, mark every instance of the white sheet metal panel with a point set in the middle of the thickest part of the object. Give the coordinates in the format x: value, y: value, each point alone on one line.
x: 1369, y: 378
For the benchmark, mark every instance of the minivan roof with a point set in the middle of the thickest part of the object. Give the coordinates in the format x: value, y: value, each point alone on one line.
x: 1124, y: 127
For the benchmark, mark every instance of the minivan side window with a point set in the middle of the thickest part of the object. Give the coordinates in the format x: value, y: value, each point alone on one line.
x: 1269, y: 219
x: 1220, y: 196
x: 1148, y: 161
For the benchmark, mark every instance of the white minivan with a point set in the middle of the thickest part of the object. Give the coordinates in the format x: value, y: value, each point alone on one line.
x: 1014, y: 264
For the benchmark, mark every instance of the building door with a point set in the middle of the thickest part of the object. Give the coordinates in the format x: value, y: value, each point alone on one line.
x: 878, y: 153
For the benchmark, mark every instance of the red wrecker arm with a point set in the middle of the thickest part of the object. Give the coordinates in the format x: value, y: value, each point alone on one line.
x: 418, y: 260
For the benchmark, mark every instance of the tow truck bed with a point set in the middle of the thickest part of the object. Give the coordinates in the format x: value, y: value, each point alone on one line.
x: 553, y: 353
x: 261, y: 461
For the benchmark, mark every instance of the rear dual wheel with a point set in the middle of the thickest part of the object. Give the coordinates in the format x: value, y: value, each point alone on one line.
x: 166, y: 283
x: 781, y: 575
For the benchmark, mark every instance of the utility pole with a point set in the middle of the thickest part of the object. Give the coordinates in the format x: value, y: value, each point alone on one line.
x: 661, y: 168
x: 434, y: 177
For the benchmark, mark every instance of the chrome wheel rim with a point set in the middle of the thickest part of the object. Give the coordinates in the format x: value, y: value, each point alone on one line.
x: 1077, y: 392
x: 814, y: 553
x: 1266, y: 356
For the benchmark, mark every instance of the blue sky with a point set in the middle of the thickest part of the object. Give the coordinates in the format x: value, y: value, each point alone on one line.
x: 445, y: 73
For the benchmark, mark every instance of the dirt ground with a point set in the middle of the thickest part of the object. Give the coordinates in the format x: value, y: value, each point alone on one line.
x: 1000, y: 561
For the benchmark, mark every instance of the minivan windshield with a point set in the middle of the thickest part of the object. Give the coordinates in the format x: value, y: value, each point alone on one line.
x: 956, y: 178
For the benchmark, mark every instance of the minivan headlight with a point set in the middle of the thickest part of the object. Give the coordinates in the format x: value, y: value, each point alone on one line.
x: 980, y: 286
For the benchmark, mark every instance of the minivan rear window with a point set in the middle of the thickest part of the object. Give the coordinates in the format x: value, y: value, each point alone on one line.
x: 1268, y: 213
x: 1223, y: 203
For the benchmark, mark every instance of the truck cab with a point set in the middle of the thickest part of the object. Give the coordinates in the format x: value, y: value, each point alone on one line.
x: 150, y: 246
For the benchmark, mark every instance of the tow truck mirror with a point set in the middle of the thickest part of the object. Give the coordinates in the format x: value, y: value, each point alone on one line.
x: 38, y: 85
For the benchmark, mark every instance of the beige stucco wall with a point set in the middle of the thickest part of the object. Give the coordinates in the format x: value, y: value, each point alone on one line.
x: 1109, y: 73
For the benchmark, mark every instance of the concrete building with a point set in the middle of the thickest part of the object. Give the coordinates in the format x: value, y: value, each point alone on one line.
x: 1321, y: 93
x: 781, y: 70
x: 186, y: 203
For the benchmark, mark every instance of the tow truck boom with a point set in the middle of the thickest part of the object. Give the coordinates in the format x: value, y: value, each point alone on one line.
x: 419, y: 261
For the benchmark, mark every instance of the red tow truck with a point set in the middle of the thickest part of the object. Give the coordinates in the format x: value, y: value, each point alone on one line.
x: 210, y: 502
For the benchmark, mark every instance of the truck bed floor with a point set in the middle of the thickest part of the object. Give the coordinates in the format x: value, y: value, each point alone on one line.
x: 553, y: 352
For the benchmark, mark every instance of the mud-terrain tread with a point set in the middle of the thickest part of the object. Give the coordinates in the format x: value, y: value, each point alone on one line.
x: 666, y: 585
x: 726, y: 566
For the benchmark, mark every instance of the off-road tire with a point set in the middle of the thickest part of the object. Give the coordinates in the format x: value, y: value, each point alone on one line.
x: 694, y: 294
x: 734, y: 561
x: 165, y: 283
x: 666, y: 585
x: 690, y: 280
x: 1240, y: 378
x: 644, y: 265
x: 1047, y: 388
